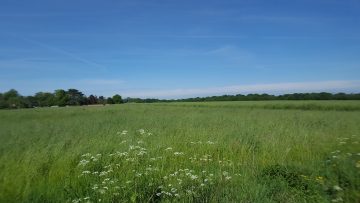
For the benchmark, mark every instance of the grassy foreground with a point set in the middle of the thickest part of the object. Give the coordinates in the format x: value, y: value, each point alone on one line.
x: 186, y: 152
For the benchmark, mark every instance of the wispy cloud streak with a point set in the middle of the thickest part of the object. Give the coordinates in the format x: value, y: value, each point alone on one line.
x: 64, y: 52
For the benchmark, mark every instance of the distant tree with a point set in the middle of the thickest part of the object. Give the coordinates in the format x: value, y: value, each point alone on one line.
x: 3, y: 103
x: 117, y: 99
x: 61, y: 98
x: 75, y: 97
x: 31, y: 101
x: 109, y: 100
x: 44, y: 99
x: 325, y: 96
x: 101, y: 100
x: 11, y: 99
x: 92, y: 99
x: 10, y: 94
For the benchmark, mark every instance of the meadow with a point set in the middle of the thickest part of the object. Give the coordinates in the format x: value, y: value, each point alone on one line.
x: 275, y: 151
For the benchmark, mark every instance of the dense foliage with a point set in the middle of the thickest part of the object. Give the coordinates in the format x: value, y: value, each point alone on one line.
x: 71, y: 97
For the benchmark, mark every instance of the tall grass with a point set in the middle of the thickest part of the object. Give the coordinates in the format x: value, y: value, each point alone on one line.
x: 180, y: 152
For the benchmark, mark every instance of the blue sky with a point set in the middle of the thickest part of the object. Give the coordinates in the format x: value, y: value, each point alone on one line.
x: 175, y: 49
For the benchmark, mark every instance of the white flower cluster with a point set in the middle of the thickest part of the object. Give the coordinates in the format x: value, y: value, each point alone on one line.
x: 119, y: 174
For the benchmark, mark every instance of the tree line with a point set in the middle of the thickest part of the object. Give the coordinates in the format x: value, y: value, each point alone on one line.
x: 257, y: 97
x: 71, y: 97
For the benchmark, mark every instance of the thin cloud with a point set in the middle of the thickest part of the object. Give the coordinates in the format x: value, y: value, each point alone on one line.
x: 100, y: 82
x: 274, y: 88
x: 64, y: 52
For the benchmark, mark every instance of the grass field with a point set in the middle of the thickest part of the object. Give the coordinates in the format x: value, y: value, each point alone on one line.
x: 276, y: 151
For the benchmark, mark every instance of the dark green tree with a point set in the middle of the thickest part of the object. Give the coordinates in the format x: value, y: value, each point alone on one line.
x: 93, y: 99
x: 117, y: 99
x: 75, y: 97
x: 109, y: 100
x: 44, y: 99
x: 60, y: 97
x: 102, y: 100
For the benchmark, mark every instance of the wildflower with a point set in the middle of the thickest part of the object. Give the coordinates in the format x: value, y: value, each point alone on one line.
x: 121, y: 154
x: 102, y: 191
x: 225, y: 173
x: 103, y: 173
x: 86, y: 155
x: 141, y: 153
x: 193, y: 177
x: 83, y: 162
x: 86, y: 198
x: 124, y: 132
x: 86, y: 172
x: 339, y: 199
x: 169, y: 148
x: 319, y: 179
x: 337, y: 188
x: 178, y: 153
x: 95, y: 187
x: 76, y: 201
x: 357, y: 164
x: 209, y: 142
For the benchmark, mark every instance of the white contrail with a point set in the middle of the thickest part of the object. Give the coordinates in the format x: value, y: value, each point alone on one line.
x: 63, y: 52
